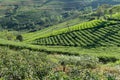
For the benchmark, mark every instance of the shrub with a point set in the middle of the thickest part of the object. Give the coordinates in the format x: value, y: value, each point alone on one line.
x: 106, y: 60
x: 19, y: 37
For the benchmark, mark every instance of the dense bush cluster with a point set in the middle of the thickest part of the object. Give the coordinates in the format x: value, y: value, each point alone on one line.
x: 23, y: 65
x: 30, y: 65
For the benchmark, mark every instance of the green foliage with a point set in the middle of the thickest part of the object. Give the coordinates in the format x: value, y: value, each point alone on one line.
x: 34, y: 35
x: 30, y: 62
x: 85, y: 25
x: 102, y: 10
x: 114, y: 9
x: 105, y: 59
x: 116, y: 16
x: 26, y: 64
x: 33, y: 15
x: 66, y: 50
x: 23, y: 65
x: 19, y: 37
x: 86, y: 35
x: 8, y: 35
x: 110, y: 77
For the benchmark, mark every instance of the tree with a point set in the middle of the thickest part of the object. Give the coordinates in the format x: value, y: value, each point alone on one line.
x: 19, y: 37
x: 88, y: 10
x: 101, y: 11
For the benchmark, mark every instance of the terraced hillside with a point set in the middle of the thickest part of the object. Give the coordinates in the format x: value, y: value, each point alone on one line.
x: 116, y: 16
x: 99, y: 35
x: 15, y: 61
x: 74, y: 49
x: 59, y: 29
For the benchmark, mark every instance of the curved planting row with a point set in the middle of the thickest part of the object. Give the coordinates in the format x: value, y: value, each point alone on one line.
x: 116, y: 16
x: 85, y: 25
x: 108, y: 35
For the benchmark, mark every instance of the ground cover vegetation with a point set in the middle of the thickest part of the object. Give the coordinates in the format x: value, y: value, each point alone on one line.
x: 59, y: 40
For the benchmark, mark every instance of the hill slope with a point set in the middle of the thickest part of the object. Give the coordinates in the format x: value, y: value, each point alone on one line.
x: 88, y: 34
x: 32, y: 15
x: 105, y: 35
x: 60, y: 29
